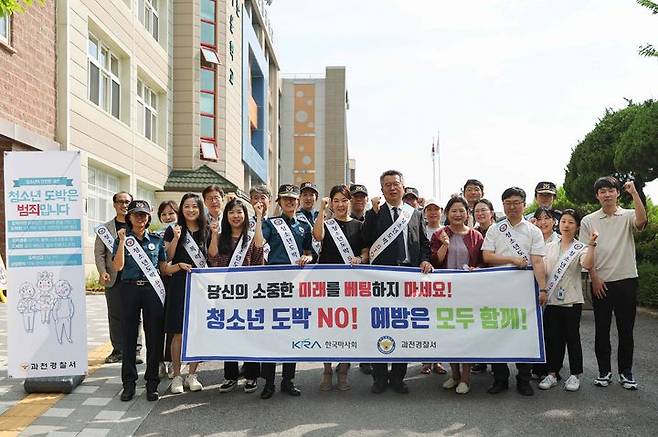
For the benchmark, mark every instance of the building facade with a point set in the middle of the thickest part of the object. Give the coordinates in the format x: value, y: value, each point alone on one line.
x: 27, y: 87
x: 160, y: 97
x: 314, y: 144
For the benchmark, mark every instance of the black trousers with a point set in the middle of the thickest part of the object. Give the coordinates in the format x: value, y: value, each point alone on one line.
x: 137, y: 299
x: 114, y: 309
x: 501, y: 372
x: 620, y: 299
x: 268, y: 370
x: 562, y: 329
x: 381, y: 374
x: 251, y: 370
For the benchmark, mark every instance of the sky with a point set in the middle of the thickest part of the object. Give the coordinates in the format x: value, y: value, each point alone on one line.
x: 511, y: 86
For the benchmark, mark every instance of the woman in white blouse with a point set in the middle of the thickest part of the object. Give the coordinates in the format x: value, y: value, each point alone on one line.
x: 565, y: 300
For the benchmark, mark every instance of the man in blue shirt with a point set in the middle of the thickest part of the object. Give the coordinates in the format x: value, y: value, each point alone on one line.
x: 290, y: 243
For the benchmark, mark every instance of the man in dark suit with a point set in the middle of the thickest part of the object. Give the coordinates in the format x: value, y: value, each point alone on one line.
x: 409, y: 248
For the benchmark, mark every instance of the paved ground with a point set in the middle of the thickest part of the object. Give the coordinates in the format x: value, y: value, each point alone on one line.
x: 95, y: 409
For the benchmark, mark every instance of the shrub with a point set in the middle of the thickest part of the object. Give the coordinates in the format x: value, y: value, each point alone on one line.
x: 648, y: 293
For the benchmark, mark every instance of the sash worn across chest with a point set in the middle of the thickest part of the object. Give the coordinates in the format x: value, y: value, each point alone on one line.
x: 105, y: 236
x: 241, y: 251
x: 511, y: 238
x: 563, y: 264
x: 316, y: 245
x: 287, y: 239
x: 3, y: 275
x: 340, y: 239
x: 193, y: 251
x: 392, y: 232
x: 146, y: 266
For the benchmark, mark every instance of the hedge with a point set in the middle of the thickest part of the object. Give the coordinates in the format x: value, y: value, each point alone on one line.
x: 648, y: 293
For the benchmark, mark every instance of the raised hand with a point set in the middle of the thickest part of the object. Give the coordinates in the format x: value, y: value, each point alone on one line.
x: 629, y: 187
x: 177, y: 231
x: 121, y: 234
x: 259, y: 208
x: 375, y: 203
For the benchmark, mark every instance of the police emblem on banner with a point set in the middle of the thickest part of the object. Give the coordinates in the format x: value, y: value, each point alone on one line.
x: 386, y: 344
x: 578, y: 246
x: 130, y: 243
x: 503, y: 227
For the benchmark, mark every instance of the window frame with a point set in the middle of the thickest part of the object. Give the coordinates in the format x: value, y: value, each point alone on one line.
x: 214, y: 24
x: 204, y: 139
x: 147, y: 10
x: 105, y: 185
x: 105, y: 73
x: 145, y: 104
x: 6, y: 39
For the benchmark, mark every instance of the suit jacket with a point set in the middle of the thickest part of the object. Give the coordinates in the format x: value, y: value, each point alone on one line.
x: 103, y: 255
x: 418, y: 246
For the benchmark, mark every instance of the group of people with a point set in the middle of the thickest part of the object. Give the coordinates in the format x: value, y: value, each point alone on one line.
x: 144, y: 273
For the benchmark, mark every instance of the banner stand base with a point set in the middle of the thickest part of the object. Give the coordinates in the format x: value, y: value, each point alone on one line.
x: 52, y: 384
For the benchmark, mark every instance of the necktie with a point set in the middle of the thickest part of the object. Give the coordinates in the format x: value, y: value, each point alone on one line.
x: 399, y: 240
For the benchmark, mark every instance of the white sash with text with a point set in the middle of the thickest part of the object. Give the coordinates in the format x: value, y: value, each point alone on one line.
x: 105, y: 236
x: 241, y: 250
x: 567, y: 258
x: 392, y: 232
x: 145, y: 265
x: 340, y: 239
x: 194, y: 252
x: 512, y: 239
x: 287, y: 238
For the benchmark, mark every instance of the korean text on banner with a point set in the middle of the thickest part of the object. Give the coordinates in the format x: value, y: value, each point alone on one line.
x: 43, y: 210
x: 362, y: 313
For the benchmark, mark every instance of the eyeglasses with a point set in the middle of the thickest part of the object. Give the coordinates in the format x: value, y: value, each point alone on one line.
x: 123, y: 202
x: 214, y: 199
x: 514, y: 204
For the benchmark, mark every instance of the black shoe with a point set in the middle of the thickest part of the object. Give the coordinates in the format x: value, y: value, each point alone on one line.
x: 400, y: 387
x: 268, y: 391
x: 524, y: 388
x: 152, y: 396
x: 478, y: 368
x: 114, y: 357
x: 289, y: 387
x: 366, y: 368
x: 378, y: 387
x: 138, y: 360
x: 498, y: 387
x: 127, y: 394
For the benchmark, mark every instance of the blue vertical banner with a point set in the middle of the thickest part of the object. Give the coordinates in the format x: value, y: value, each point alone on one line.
x: 47, y: 333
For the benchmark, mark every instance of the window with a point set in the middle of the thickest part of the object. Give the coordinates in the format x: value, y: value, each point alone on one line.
x: 207, y: 88
x: 101, y: 187
x: 145, y: 193
x: 103, y: 80
x: 147, y: 101
x: 208, y: 21
x: 5, y: 29
x: 147, y: 12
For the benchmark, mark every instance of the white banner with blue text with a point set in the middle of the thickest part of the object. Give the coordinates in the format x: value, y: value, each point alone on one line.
x: 362, y: 314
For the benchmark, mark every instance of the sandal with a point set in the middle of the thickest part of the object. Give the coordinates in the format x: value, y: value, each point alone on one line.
x: 426, y: 369
x: 342, y: 381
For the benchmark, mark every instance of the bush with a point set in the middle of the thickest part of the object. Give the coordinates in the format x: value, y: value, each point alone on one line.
x: 648, y: 293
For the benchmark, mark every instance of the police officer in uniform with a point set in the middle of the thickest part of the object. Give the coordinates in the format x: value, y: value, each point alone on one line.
x: 288, y: 200
x: 358, y: 202
x: 308, y: 195
x: 137, y: 296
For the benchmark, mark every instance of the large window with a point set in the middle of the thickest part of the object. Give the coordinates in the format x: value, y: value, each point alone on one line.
x: 147, y: 11
x: 103, y: 80
x: 208, y: 22
x: 145, y: 193
x: 207, y: 113
x: 5, y: 29
x: 147, y: 101
x: 101, y: 187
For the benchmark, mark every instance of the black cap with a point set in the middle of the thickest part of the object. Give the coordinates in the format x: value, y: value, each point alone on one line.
x: 139, y: 206
x: 288, y: 190
x: 309, y: 186
x: 410, y: 191
x: 546, y: 188
x: 358, y: 188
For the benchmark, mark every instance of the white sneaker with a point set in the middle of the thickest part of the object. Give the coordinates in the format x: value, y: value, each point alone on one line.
x: 450, y: 384
x: 627, y: 381
x: 572, y: 384
x: 603, y: 379
x: 170, y: 370
x: 193, y: 383
x: 462, y: 388
x: 549, y: 381
x: 177, y: 384
x: 162, y: 370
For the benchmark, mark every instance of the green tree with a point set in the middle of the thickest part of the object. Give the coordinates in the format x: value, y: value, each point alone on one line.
x: 637, y: 150
x: 648, y: 49
x: 8, y: 7
x: 594, y: 156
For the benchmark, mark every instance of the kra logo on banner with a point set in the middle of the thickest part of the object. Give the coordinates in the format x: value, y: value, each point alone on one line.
x: 306, y: 344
